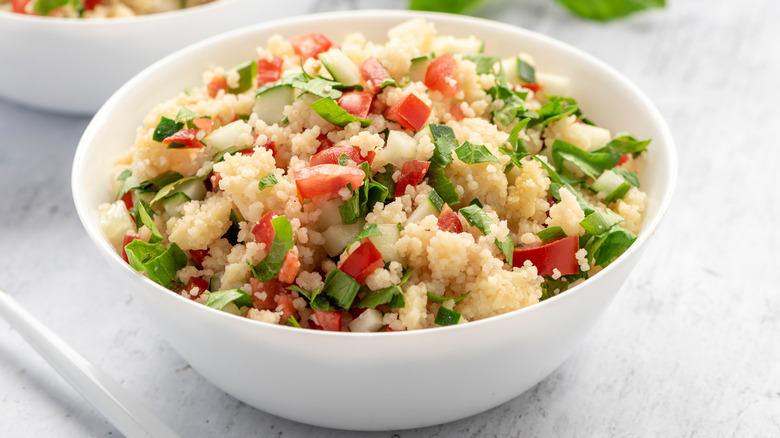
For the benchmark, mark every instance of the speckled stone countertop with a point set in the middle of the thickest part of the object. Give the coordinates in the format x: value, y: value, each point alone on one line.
x: 690, y: 346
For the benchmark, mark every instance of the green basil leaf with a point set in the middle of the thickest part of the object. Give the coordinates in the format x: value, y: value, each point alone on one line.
x: 247, y: 72
x: 378, y: 297
x: 369, y: 230
x: 592, y: 164
x: 514, y: 104
x: 472, y: 154
x: 317, y: 301
x: 166, y: 128
x: 341, y: 288
x: 476, y: 202
x: 438, y: 299
x: 221, y: 298
x: 146, y: 215
x: 161, y: 180
x: 551, y: 233
x: 160, y: 263
x: 630, y: 177
x: 555, y: 191
x: 444, y: 143
x: 608, y: 247
x: 507, y: 247
x: 123, y: 175
x: 319, y: 86
x: 269, y: 267
x: 443, y: 186
x: 618, y: 193
x: 398, y: 301
x: 624, y: 144
x: 128, y: 183
x: 267, y: 181
x: 45, y: 7
x: 477, y: 217
x: 386, y: 180
x: 526, y: 71
x: 605, y: 10
x: 599, y: 222
x: 445, y: 316
x: 329, y: 110
x: 484, y: 63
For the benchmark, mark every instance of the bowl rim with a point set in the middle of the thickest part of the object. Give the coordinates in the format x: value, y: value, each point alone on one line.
x: 85, y: 212
x: 105, y: 22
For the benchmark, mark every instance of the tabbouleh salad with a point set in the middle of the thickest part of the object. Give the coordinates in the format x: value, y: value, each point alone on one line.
x: 374, y: 186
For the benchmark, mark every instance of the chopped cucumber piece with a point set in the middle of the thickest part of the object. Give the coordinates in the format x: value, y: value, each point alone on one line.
x: 338, y: 236
x: 422, y: 211
x: 115, y: 221
x: 418, y: 68
x: 229, y: 135
x: 446, y: 316
x: 400, y: 148
x: 172, y: 203
x: 554, y: 85
x: 509, y: 66
x: 194, y: 188
x: 387, y: 243
x: 329, y: 214
x: 368, y: 321
x: 340, y: 67
x: 598, y: 136
x: 607, y: 182
x: 270, y: 103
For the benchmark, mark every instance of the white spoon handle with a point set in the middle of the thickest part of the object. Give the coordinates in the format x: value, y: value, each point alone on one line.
x: 120, y: 407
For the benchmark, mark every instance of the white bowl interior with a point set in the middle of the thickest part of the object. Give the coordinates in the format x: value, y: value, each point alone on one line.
x: 422, y: 367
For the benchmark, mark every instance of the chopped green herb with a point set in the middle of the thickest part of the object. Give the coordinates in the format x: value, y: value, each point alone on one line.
x: 166, y: 128
x: 161, y: 180
x: 329, y: 110
x: 484, y: 63
x: 247, y: 72
x: 630, y: 177
x: 220, y: 156
x: 172, y: 188
x: 606, y: 248
x: 344, y: 160
x: 507, y: 248
x: 551, y: 233
x: 159, y: 263
x: 292, y: 322
x: 624, y: 144
x: 369, y: 230
x: 478, y: 218
x: 590, y: 163
x: 444, y: 143
x: 599, y: 222
x: 438, y: 299
x: 341, y: 288
x: 513, y: 104
x: 525, y: 71
x: 443, y: 186
x: 267, y: 181
x: 476, y: 202
x: 378, y: 297
x: 445, y: 316
x: 472, y: 154
x: 222, y: 298
x: 618, y: 193
x: 45, y: 7
x: 317, y: 301
x: 145, y: 215
x: 269, y: 267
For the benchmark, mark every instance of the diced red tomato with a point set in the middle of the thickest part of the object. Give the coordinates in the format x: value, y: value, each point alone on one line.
x: 449, y: 220
x: 623, y: 159
x: 248, y: 151
x: 214, y: 179
x: 203, y: 123
x: 546, y: 256
x: 271, y: 146
x: 127, y: 198
x: 374, y: 73
x: 290, y: 267
x: 285, y: 305
x: 325, y: 142
x: 329, y: 320
x: 268, y: 292
x: 412, y: 172
x: 363, y: 261
x: 187, y: 137
x: 128, y: 238
x: 332, y: 155
x: 326, y: 179
x: 357, y: 103
x: 264, y: 231
x: 440, y: 75
x: 195, y: 287
x: 90, y: 4
x: 268, y: 70
x: 310, y: 45
x: 217, y: 83
x: 198, y: 255
x: 19, y: 6
x: 457, y: 112
x: 533, y: 86
x: 410, y: 112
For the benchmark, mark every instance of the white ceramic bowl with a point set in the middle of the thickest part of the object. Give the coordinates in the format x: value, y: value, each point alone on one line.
x: 375, y: 381
x: 73, y: 65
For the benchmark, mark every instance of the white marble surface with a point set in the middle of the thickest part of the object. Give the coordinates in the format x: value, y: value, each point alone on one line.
x: 690, y: 347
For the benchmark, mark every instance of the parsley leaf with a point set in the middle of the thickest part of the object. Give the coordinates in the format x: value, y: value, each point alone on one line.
x: 222, y: 298
x: 472, y: 154
x: 166, y: 128
x: 160, y: 263
x: 329, y: 110
x: 267, y: 181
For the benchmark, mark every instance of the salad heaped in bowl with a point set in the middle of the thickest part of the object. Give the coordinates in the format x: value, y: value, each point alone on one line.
x: 367, y: 186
